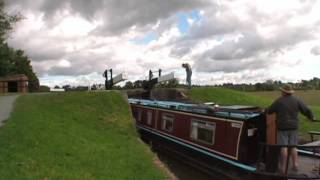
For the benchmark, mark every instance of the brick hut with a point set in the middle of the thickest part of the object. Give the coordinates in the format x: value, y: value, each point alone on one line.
x: 14, y: 83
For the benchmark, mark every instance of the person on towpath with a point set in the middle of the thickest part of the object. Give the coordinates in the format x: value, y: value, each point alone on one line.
x: 287, y: 108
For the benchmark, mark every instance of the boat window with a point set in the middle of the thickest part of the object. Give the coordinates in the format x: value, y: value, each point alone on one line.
x: 149, y: 117
x: 203, y: 131
x: 139, y: 118
x: 167, y: 122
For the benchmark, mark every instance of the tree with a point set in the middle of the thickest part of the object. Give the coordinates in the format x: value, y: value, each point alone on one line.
x: 94, y: 87
x: 22, y: 65
x: 14, y: 61
x: 66, y: 87
x: 173, y: 83
x: 6, y: 64
x: 128, y: 85
x: 137, y: 84
x: 6, y: 22
x: 44, y: 89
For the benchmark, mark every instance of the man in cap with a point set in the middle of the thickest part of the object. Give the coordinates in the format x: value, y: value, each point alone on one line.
x: 189, y: 73
x: 287, y: 108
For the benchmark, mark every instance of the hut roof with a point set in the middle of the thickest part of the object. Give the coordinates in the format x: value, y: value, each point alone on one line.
x: 16, y: 77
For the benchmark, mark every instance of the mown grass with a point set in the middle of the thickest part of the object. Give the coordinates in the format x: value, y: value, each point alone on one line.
x: 225, y: 96
x: 73, y: 136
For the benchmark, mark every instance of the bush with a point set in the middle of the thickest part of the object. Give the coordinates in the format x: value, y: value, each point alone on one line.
x: 43, y: 88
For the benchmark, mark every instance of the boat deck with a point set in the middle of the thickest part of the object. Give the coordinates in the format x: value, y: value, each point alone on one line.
x: 308, y: 168
x: 308, y: 163
x: 237, y: 112
x: 315, y: 143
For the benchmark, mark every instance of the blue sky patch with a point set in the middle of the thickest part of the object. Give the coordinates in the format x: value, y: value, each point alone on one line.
x: 147, y: 39
x: 183, y: 24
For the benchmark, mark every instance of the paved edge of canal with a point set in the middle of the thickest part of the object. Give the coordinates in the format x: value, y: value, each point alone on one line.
x: 6, y: 106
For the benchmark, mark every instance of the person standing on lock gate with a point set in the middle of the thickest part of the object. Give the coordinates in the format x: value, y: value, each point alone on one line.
x: 189, y: 73
x: 287, y: 108
x: 105, y: 75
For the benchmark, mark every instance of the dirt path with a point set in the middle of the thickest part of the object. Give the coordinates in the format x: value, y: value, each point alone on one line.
x: 6, y: 105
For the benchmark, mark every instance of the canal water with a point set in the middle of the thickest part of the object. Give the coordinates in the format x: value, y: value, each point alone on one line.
x: 184, y: 171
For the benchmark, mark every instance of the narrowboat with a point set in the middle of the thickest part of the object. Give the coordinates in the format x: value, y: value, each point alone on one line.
x: 226, y: 140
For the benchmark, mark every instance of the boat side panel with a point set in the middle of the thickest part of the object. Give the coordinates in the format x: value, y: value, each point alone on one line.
x: 145, y: 117
x: 226, y: 136
x: 199, y: 158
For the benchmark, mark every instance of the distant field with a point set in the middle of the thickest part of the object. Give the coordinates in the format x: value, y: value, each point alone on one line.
x: 74, y: 136
x: 263, y: 99
x: 310, y: 97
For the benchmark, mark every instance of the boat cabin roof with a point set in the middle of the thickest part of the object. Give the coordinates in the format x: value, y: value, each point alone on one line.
x: 237, y: 112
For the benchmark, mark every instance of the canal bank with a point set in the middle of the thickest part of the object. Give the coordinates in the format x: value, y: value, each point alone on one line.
x: 6, y: 105
x: 185, y: 171
x: 78, y: 135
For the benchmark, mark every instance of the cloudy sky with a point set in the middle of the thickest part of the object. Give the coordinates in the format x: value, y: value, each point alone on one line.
x: 238, y: 41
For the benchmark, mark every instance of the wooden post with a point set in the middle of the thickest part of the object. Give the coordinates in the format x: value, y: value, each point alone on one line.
x: 1, y: 87
x: 272, y: 153
x: 271, y: 129
x: 5, y: 87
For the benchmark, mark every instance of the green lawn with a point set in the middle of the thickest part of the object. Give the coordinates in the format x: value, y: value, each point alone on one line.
x: 74, y: 136
x: 225, y: 96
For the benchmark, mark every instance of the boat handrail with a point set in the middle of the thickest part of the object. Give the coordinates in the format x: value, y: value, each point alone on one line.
x: 290, y: 146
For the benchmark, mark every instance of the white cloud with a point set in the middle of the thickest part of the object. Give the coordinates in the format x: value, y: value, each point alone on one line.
x: 229, y: 41
x: 64, y: 64
x: 315, y: 50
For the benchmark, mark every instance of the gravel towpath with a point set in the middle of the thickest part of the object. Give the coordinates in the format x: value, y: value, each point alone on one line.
x: 6, y: 105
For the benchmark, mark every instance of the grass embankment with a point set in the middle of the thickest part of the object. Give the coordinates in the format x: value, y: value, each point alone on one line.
x: 224, y: 96
x: 73, y: 136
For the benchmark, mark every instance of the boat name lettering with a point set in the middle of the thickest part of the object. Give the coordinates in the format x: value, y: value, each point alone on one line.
x: 236, y: 125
